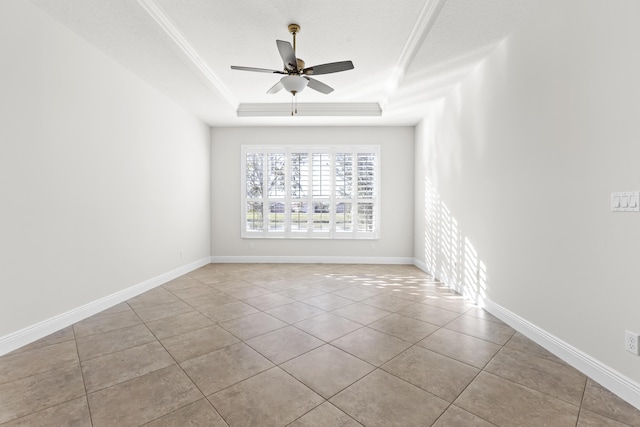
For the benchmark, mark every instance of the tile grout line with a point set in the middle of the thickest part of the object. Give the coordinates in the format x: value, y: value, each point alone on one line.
x: 480, y: 370
x: 177, y: 364
x: 84, y: 383
x: 584, y: 392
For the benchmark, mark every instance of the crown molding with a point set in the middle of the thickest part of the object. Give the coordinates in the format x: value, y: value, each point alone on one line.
x: 161, y: 18
x: 310, y: 109
x: 427, y: 18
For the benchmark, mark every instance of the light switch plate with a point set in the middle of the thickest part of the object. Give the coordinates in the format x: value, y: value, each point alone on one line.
x: 625, y: 201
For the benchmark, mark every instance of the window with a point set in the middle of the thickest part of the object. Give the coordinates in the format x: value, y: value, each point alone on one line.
x: 310, y: 192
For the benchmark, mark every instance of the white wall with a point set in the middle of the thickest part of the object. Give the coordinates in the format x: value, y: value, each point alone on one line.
x: 396, y: 152
x: 514, y: 173
x: 103, y: 180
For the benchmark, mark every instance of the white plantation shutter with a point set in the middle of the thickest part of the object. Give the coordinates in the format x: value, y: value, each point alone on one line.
x: 366, y: 191
x: 310, y: 192
x: 299, y: 175
x: 321, y: 175
x: 299, y: 193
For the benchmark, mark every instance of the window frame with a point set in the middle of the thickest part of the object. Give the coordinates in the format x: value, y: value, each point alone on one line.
x: 289, y: 232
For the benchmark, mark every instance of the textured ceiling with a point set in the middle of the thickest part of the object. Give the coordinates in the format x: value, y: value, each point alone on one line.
x: 407, y: 55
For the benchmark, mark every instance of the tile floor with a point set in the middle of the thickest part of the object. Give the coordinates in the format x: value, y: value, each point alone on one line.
x: 299, y: 345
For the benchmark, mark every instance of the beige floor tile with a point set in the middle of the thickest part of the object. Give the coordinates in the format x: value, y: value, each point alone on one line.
x: 372, y: 285
x: 380, y: 399
x: 176, y: 325
x: 62, y: 335
x: 118, y: 308
x: 328, y: 326
x: 37, y: 392
x: 483, y: 329
x: 279, y: 285
x: 252, y: 325
x: 72, y: 413
x: 521, y: 343
x: 183, y: 282
x: 248, y: 292
x: 372, y: 346
x: 327, y: 370
x: 430, y: 314
x: 456, y: 417
x: 207, y: 301
x: 211, y: 277
x: 284, y: 344
x: 325, y: 415
x: 200, y: 413
x: 195, y: 292
x: 268, y: 301
x: 331, y: 284
x: 388, y: 302
x: 449, y: 301
x: 143, y: 399
x: 219, y: 369
x: 98, y: 345
x: 230, y: 311
x: 411, y: 293
x: 20, y: 365
x: 161, y: 311
x: 603, y: 402
x: 556, y: 379
x: 272, y: 398
x: 465, y: 348
x: 328, y: 302
x: 302, y: 292
x: 505, y: 403
x: 301, y: 279
x: 432, y: 372
x: 361, y: 313
x: 356, y: 293
x: 114, y: 368
x: 230, y: 284
x: 591, y: 419
x: 101, y: 323
x: 405, y: 328
x: 153, y: 297
x: 295, y: 312
x: 196, y: 343
x: 214, y: 278
x: 262, y: 277
x: 483, y: 314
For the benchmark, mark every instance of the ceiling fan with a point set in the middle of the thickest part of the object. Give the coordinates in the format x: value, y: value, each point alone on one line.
x: 296, y: 74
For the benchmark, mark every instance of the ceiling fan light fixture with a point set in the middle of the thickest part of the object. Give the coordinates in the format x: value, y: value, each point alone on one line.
x: 294, y: 84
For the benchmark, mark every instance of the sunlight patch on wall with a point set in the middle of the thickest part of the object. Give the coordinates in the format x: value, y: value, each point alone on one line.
x: 450, y: 255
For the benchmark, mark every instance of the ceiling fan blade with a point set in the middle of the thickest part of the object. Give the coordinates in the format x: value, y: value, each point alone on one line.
x: 318, y: 85
x: 287, y: 54
x: 257, y: 70
x: 275, y: 88
x: 332, y: 67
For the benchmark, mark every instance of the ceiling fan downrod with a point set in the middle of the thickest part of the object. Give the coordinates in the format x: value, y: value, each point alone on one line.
x: 294, y: 29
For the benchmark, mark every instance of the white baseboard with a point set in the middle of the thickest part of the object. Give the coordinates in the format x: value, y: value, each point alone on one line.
x: 618, y: 383
x: 311, y: 260
x: 33, y: 333
x: 613, y: 380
